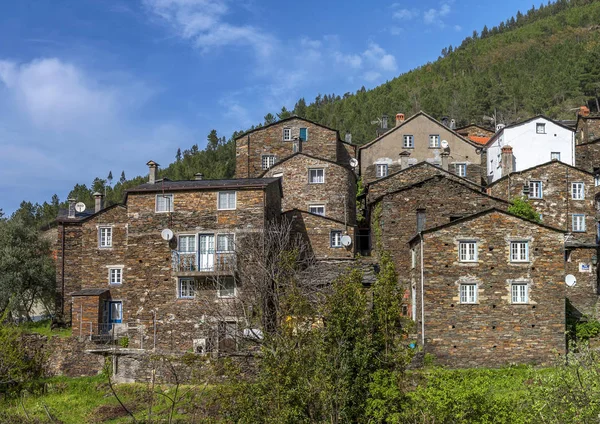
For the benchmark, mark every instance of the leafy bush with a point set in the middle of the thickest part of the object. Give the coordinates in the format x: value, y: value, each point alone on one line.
x: 587, y: 330
x: 521, y: 207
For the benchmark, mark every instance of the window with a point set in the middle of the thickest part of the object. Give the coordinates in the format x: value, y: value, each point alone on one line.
x: 468, y: 293
x: 164, y: 203
x: 540, y: 128
x: 115, y: 312
x: 467, y: 251
x: 316, y: 176
x: 268, y: 161
x: 105, y: 237
x: 535, y: 190
x: 413, y: 263
x: 226, y: 200
x: 187, y: 288
x: 227, y: 287
x: 518, y: 293
x: 409, y: 142
x: 317, y: 209
x: 115, y: 275
x: 303, y: 134
x: 519, y: 251
x: 577, y: 191
x: 225, y: 243
x: 597, y: 180
x: 187, y: 244
x: 555, y: 156
x: 578, y: 223
x: 382, y: 170
x: 434, y: 141
x: 287, y: 134
x: 461, y: 169
x: 336, y: 238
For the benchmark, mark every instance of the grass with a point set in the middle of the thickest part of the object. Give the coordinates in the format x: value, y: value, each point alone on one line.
x: 43, y: 328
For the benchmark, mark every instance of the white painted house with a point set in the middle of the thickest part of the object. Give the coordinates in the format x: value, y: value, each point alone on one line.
x: 534, y: 141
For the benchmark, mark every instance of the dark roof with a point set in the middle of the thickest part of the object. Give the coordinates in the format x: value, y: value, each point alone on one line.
x: 477, y: 215
x: 89, y: 292
x: 289, y: 119
x: 63, y: 215
x: 516, y: 124
x: 317, y: 216
x: 424, y: 163
x: 308, y: 156
x: 437, y: 177
x: 552, y: 162
x: 420, y: 113
x: 85, y: 216
x: 239, y: 183
x: 474, y: 125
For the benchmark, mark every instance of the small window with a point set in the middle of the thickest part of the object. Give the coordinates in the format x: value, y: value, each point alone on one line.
x: 316, y: 176
x: 467, y: 251
x: 336, y: 238
x: 413, y: 254
x: 225, y: 243
x: 434, y: 141
x: 227, y: 200
x: 519, y: 251
x: 164, y: 203
x: 227, y: 287
x: 115, y: 312
x: 578, y: 223
x: 409, y: 142
x: 461, y: 169
x: 268, y: 161
x: 287, y: 134
x: 540, y: 128
x: 555, y: 156
x: 115, y: 275
x: 535, y: 190
x: 317, y: 209
x: 519, y: 293
x: 303, y: 134
x: 468, y: 293
x: 105, y: 237
x: 577, y: 191
x: 187, y: 288
x: 382, y: 170
x: 187, y: 244
x: 597, y: 180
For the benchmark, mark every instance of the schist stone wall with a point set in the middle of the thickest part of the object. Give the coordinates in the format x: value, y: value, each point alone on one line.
x: 583, y: 296
x: 587, y: 156
x: 321, y: 142
x: 337, y: 193
x: 493, y: 331
x: 588, y: 129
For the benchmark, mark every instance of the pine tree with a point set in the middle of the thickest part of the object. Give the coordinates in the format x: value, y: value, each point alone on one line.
x: 270, y: 119
x: 122, y: 179
x: 212, y: 141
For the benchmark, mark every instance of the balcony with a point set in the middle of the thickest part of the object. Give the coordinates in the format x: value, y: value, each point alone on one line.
x: 193, y: 263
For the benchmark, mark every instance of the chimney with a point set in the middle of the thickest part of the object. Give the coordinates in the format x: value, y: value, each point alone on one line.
x: 445, y: 121
x: 153, y: 171
x: 404, y: 159
x: 399, y: 119
x: 199, y: 176
x: 297, y: 146
x: 508, y: 160
x: 71, y: 207
x: 584, y: 111
x: 99, y: 202
x: 384, y: 122
x: 348, y: 138
x: 420, y: 220
x: 445, y: 160
x: 453, y: 124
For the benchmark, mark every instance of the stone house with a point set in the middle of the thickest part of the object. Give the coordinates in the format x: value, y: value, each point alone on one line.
x: 420, y: 138
x: 587, y: 141
x: 488, y: 290
x: 565, y: 198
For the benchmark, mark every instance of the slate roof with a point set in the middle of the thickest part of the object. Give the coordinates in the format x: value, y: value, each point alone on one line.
x: 239, y: 183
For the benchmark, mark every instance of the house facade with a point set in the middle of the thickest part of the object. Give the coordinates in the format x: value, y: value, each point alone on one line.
x: 587, y: 141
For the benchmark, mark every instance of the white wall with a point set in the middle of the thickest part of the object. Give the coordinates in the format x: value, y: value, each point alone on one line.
x: 529, y: 147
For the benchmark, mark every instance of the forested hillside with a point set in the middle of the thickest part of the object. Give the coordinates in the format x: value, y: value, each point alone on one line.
x: 545, y: 60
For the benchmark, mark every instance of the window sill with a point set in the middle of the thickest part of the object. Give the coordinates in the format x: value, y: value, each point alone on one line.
x: 115, y: 284
x: 105, y: 248
x: 520, y: 262
x: 163, y: 211
x: 227, y: 209
x: 408, y: 147
x: 468, y: 303
x: 433, y: 148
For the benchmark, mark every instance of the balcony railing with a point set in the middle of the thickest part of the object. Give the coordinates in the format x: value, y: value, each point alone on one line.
x: 211, y: 262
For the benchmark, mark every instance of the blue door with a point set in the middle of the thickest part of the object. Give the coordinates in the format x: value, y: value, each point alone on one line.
x: 115, y: 312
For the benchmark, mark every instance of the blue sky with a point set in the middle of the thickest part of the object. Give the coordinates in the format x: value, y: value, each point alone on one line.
x: 88, y: 86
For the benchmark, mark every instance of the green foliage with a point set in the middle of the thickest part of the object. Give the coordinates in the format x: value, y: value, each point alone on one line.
x: 519, y: 206
x: 44, y: 328
x: 587, y: 330
x: 124, y: 342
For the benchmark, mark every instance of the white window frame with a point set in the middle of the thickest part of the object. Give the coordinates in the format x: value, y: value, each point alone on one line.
x: 310, y: 207
x: 519, y: 251
x: 316, y: 181
x: 287, y: 134
x: 409, y: 141
x: 118, y: 272
x: 228, y: 193
x: 105, y: 242
x: 190, y: 289
x: 164, y: 196
x: 270, y: 161
x: 434, y: 141
x: 335, y: 238
x: 532, y: 192
x: 468, y: 293
x: 221, y: 288
x: 381, y: 170
x: 578, y: 190
x: 554, y: 155
x: 578, y: 223
x: 464, y: 254
x: 539, y: 125
x: 230, y: 242
x: 461, y: 169
x: 519, y: 293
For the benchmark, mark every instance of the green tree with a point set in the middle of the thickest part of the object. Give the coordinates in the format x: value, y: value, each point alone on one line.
x: 270, y: 119
x: 519, y: 206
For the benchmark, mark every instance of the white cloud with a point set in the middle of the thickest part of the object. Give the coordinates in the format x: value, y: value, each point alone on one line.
x: 434, y: 16
x: 379, y: 58
x: 405, y: 14
x: 457, y: 28
x: 351, y: 60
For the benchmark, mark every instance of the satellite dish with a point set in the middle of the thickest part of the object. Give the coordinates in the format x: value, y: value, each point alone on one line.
x: 346, y: 240
x: 353, y: 163
x: 570, y: 280
x: 166, y: 234
x: 80, y: 206
x: 444, y: 144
